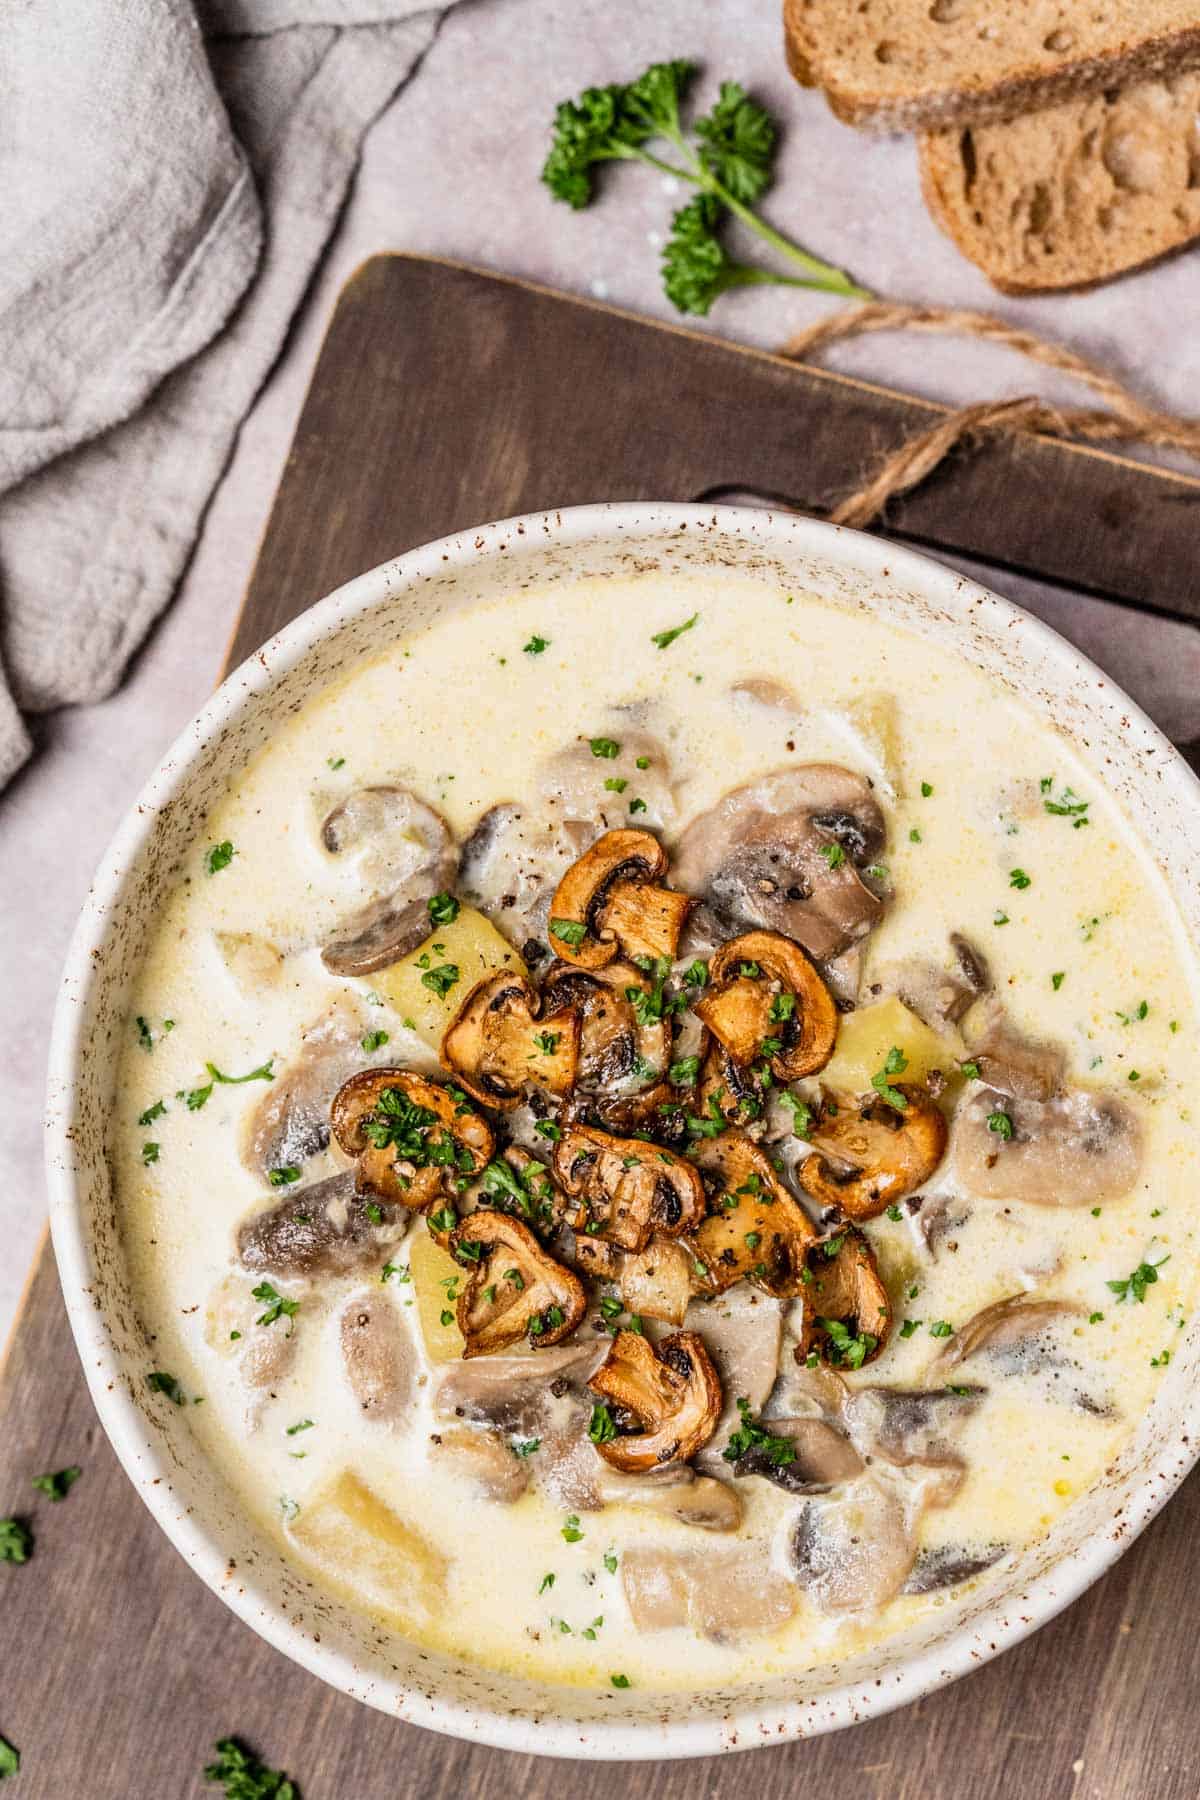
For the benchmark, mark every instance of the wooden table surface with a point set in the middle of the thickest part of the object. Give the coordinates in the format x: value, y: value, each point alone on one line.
x: 444, y: 397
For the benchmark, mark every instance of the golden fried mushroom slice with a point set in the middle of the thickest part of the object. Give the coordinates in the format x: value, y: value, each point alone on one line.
x: 624, y: 1045
x: 756, y: 1230
x: 654, y: 1283
x: 626, y: 1189
x: 499, y: 1042
x: 870, y: 1153
x: 514, y: 1289
x: 664, y: 1400
x: 766, y: 1002
x: 410, y: 1138
x: 609, y: 904
x: 847, y: 1311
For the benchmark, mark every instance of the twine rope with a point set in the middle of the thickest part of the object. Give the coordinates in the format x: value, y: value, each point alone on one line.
x: 1123, y: 418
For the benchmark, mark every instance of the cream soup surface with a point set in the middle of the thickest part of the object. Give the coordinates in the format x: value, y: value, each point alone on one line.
x: 995, y: 830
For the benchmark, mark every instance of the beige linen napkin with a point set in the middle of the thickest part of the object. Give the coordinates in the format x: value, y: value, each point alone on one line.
x: 172, y: 173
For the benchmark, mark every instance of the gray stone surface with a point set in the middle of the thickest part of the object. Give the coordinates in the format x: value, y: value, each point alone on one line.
x: 451, y: 169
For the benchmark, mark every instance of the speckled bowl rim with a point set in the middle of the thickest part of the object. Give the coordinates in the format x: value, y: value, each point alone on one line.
x: 869, y: 563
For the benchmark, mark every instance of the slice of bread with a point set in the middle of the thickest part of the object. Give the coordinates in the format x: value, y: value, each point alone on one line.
x: 931, y: 63
x: 1075, y: 193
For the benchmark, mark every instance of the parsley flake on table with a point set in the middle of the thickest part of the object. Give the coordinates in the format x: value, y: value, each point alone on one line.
x: 244, y: 1777
x: 10, y: 1759
x: 58, y: 1485
x: 16, y: 1541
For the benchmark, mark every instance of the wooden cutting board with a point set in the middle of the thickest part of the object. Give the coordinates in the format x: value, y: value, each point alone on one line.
x: 445, y: 396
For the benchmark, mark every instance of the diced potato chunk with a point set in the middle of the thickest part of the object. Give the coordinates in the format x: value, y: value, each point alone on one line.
x: 433, y: 1274
x: 363, y: 1545
x: 472, y: 945
x: 865, y: 1037
x: 875, y: 726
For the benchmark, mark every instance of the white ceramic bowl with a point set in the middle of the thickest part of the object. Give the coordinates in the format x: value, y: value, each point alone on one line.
x: 191, y: 1501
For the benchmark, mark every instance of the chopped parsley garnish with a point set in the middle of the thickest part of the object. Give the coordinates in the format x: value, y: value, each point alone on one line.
x: 665, y: 638
x: 400, y: 1123
x: 750, y: 1435
x: 941, y: 1328
x: 443, y: 909
x: 1057, y: 979
x: 568, y: 931
x: 834, y: 855
x: 440, y: 981
x: 277, y: 1306
x: 527, y: 1446
x: 800, y: 1110
x: 375, y: 1040
x: 999, y: 917
x: 1067, y: 804
x: 845, y: 1349
x: 683, y: 1072
x: 1139, y: 1012
x: 610, y: 1561
x: 150, y: 1152
x: 783, y: 1006
x: 607, y: 748
x: 243, y: 1775
x: 709, y: 1127
x: 264, y: 1072
x: 285, y: 1176
x: 10, y: 1758
x: 911, y: 1327
x: 536, y: 645
x: 399, y: 1271
x: 1001, y: 1124
x: 16, y: 1541
x: 620, y: 1681
x: 894, y: 1214
x: 302, y: 1425
x: 602, y: 1428
x: 547, y: 1041
x: 547, y: 1584
x: 1017, y: 878
x: 696, y: 975
x: 1134, y: 1285
x: 159, y: 1382
x: 548, y: 1129
x: 444, y: 1219
x: 914, y: 836
x: 643, y: 762
x: 895, y: 1064
x: 637, y: 806
x: 571, y: 1531
x: 219, y: 857
x: 335, y: 763
x: 145, y: 1036
x: 374, y: 1212
x: 970, y: 1070
x: 195, y: 1098
x: 926, y: 790
x: 616, y: 784
x: 152, y: 1112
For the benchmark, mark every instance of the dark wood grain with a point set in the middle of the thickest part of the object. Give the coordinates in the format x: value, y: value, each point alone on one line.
x: 444, y: 397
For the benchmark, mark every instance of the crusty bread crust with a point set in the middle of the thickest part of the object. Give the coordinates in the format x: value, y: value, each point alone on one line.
x: 958, y: 78
x: 1074, y: 194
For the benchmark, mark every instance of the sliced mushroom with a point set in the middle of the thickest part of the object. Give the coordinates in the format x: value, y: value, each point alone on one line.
x: 511, y: 865
x: 739, y: 1092
x: 609, y: 903
x: 912, y: 1428
x: 377, y: 1353
x: 403, y: 850
x: 822, y: 1457
x: 626, y: 1190
x: 867, y: 1154
x: 743, y: 1333
x: 847, y: 1312
x: 853, y: 1551
x: 624, y: 1049
x: 784, y: 853
x: 949, y: 1565
x: 666, y: 1396
x: 263, y: 1355
x: 724, y: 1596
x: 756, y: 1229
x: 1018, y: 1065
x: 501, y: 1040
x: 290, y: 1123
x: 325, y: 1229
x: 1079, y: 1149
x: 572, y: 781
x: 939, y: 995
x: 675, y: 1491
x: 525, y: 1395
x: 1004, y: 1326
x: 514, y: 1289
x: 411, y: 1138
x: 484, y: 1458
x: 766, y: 1001
x: 655, y: 1283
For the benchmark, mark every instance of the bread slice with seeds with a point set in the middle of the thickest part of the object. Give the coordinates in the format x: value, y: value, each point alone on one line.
x: 1075, y: 193
x: 931, y: 63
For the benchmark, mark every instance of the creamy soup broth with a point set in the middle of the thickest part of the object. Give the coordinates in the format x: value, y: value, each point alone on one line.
x: 1069, y: 986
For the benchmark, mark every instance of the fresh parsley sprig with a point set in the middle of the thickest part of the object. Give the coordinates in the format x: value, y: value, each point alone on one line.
x: 728, y: 159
